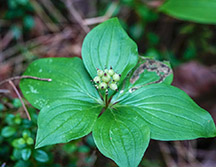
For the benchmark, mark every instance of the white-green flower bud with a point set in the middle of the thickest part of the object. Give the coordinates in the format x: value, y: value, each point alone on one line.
x: 100, y: 73
x: 106, y: 71
x: 97, y: 79
x: 116, y: 77
x: 111, y: 72
x: 113, y: 86
x: 106, y: 78
x: 103, y: 85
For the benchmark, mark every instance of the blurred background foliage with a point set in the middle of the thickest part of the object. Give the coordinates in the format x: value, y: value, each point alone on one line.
x: 17, y: 142
x: 32, y: 29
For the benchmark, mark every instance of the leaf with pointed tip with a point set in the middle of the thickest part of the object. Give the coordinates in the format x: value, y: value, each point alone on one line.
x: 121, y: 136
x: 109, y: 45
x: 201, y: 11
x: 26, y: 153
x: 147, y: 73
x: 168, y: 111
x: 147, y: 76
x: 41, y: 156
x: 140, y: 76
x: 65, y: 120
x: 69, y: 80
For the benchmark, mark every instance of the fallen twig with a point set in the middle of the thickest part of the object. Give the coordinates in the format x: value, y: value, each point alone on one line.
x: 100, y: 19
x: 73, y: 12
x: 25, y: 77
x: 46, y: 19
x: 4, y: 91
x: 19, y: 96
x: 3, y: 165
x: 166, y: 155
x: 9, y: 80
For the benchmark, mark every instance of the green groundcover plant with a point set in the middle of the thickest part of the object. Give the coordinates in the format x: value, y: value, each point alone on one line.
x: 122, y: 101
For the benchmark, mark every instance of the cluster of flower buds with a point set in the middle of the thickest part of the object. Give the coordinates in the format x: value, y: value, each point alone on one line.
x: 106, y: 79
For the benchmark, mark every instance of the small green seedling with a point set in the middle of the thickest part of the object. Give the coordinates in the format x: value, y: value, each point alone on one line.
x: 145, y: 106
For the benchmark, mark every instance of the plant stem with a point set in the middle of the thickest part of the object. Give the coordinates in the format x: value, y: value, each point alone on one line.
x: 106, y: 101
x: 100, y: 95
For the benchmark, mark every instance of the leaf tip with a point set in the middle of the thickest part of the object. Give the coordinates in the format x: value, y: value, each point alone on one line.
x: 37, y: 146
x: 113, y: 20
x: 39, y: 143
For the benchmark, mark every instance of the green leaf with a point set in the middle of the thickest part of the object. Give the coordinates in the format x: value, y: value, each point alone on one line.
x: 201, y: 11
x: 22, y: 163
x: 1, y: 107
x: 10, y: 119
x: 16, y: 154
x: 18, y: 143
x: 142, y: 77
x: 41, y: 156
x: 16, y: 103
x: 29, y: 141
x: 69, y: 80
x: 22, y: 2
x: 109, y: 45
x: 28, y: 22
x: 89, y: 139
x: 70, y: 148
x: 83, y: 149
x: 8, y: 131
x: 146, y: 72
x: 65, y: 120
x: 121, y: 136
x: 26, y: 153
x: 169, y: 112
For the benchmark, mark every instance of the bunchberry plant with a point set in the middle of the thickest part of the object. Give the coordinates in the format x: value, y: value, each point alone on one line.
x: 123, y: 106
